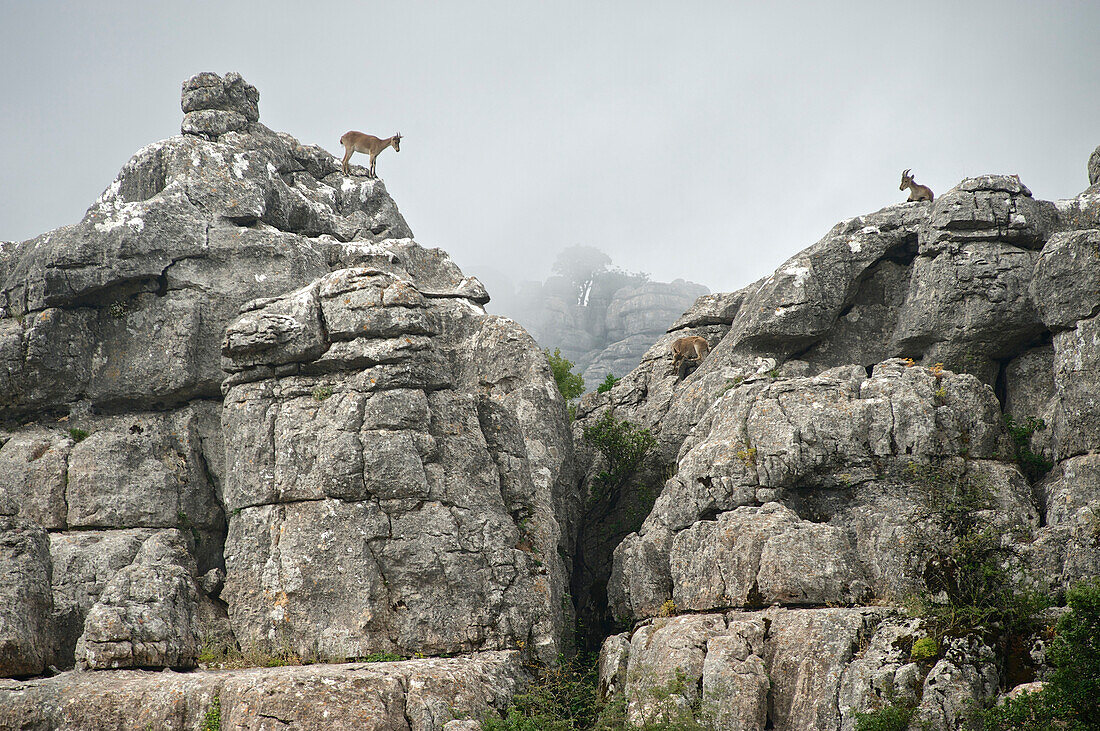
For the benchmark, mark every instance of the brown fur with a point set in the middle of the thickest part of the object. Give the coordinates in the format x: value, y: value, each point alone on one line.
x: 916, y: 192
x: 693, y: 345
x: 369, y: 145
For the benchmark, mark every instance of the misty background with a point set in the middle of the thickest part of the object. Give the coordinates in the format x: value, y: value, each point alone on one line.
x: 707, y: 141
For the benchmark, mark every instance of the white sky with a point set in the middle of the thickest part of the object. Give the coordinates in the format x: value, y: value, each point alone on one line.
x: 703, y: 140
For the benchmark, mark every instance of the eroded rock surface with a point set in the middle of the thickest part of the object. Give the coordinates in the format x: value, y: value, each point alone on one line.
x: 415, y: 695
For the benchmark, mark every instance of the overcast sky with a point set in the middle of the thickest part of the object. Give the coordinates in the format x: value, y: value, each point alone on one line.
x: 703, y: 140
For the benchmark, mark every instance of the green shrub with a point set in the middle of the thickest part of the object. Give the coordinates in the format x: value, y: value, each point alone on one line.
x: 383, y: 657
x: 563, y: 698
x: 320, y: 393
x: 895, y: 716
x: 968, y: 588
x: 78, y: 435
x: 1075, y: 652
x: 1033, y: 465
x: 623, y: 444
x: 608, y: 383
x: 570, y: 384
x: 1040, y: 711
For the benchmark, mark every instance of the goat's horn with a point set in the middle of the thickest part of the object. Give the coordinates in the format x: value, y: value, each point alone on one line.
x: 906, y: 172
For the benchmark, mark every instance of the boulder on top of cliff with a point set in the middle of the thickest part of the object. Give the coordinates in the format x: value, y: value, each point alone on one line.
x: 213, y: 105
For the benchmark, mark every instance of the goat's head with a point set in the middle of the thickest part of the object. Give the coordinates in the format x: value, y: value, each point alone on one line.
x: 397, y: 142
x: 906, y: 179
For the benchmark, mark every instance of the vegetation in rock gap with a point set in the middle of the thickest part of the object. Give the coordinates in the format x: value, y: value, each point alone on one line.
x: 564, y: 698
x: 1071, y: 698
x: 212, y: 720
x: 608, y: 383
x: 968, y: 587
x: 222, y: 657
x: 894, y: 716
x: 1033, y: 465
x: 623, y: 444
x: 570, y: 384
x: 78, y: 435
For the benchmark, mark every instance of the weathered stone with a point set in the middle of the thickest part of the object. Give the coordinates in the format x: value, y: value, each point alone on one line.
x: 25, y: 603
x: 34, y: 465
x: 760, y: 556
x: 965, y: 674
x: 414, y: 695
x: 1077, y: 381
x: 84, y: 562
x: 147, y: 615
x: 1094, y: 167
x: 778, y: 668
x: 969, y: 305
x: 988, y: 208
x: 209, y: 91
x: 1066, y: 283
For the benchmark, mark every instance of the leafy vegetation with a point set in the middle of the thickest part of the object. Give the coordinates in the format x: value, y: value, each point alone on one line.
x: 925, y: 648
x: 1033, y: 465
x: 1071, y: 699
x: 967, y: 585
x: 320, y: 393
x: 212, y: 720
x: 894, y: 716
x: 78, y: 435
x: 383, y: 657
x: 608, y: 383
x: 564, y: 698
x: 623, y: 444
x: 571, y: 385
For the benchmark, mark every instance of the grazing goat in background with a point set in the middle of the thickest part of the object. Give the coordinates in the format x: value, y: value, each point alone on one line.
x: 683, y: 347
x: 368, y: 144
x: 916, y: 192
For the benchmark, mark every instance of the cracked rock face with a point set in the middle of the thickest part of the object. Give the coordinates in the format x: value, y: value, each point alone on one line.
x: 389, y: 471
x: 392, y: 485
x: 801, y: 457
x: 418, y: 695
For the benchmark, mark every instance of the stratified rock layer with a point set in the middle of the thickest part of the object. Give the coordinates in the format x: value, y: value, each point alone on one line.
x: 391, y: 476
x: 802, y: 464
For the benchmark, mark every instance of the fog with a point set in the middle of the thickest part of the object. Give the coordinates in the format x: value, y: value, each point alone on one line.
x: 703, y: 140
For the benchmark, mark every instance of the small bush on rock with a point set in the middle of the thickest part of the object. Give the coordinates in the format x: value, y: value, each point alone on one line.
x: 571, y: 385
x: 608, y: 383
x: 623, y: 444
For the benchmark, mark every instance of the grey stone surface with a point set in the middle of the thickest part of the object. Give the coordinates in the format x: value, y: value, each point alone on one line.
x: 127, y: 308
x: 414, y: 695
x: 781, y: 669
x: 1094, y: 167
x: 25, y: 601
x: 147, y: 615
x: 414, y: 443
x: 1066, y: 282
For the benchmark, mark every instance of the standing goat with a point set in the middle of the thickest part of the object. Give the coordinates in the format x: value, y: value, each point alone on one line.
x: 368, y: 144
x: 917, y: 192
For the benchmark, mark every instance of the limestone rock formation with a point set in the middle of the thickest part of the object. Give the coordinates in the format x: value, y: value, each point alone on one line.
x: 803, y: 463
x: 381, y: 467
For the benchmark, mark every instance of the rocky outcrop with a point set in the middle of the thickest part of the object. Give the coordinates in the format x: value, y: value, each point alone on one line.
x: 376, y: 432
x: 802, y: 464
x: 381, y: 467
